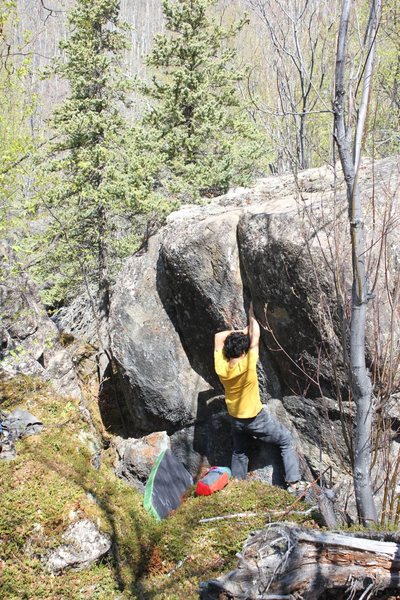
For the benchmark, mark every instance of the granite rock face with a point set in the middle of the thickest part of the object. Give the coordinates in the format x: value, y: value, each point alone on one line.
x: 278, y: 243
x: 273, y: 243
x: 156, y: 381
x: 77, y: 318
x: 200, y: 283
x: 295, y: 299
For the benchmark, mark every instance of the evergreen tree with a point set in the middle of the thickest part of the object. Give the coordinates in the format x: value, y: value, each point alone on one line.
x: 92, y: 190
x: 200, y: 126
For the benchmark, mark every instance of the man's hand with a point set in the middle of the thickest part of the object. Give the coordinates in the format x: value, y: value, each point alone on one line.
x: 254, y: 328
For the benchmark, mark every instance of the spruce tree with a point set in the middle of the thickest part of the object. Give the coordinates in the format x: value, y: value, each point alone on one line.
x: 92, y: 188
x: 200, y: 126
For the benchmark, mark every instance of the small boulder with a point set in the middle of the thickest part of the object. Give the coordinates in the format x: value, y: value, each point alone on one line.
x: 21, y: 423
x: 135, y: 457
x: 84, y: 544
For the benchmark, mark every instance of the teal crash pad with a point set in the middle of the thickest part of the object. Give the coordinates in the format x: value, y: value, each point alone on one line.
x: 168, y: 481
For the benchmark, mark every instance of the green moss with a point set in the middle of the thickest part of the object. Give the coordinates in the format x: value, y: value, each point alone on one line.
x: 52, y: 482
x: 187, y: 551
x: 20, y: 390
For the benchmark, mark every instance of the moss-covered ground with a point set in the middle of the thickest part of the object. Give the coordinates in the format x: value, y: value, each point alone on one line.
x: 52, y: 482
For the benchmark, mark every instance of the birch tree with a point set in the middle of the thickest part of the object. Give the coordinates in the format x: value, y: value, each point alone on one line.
x: 298, y: 50
x: 349, y: 144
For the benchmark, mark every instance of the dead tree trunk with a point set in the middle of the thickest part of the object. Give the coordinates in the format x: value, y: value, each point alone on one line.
x: 286, y: 562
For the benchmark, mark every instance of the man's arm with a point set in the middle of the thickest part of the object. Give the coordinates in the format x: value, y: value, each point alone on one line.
x: 254, y: 329
x: 220, y: 338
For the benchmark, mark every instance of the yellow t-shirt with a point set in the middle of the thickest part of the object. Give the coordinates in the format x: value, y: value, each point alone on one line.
x: 240, y: 383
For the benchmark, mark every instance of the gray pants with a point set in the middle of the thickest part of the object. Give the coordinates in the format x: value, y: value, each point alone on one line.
x: 265, y: 428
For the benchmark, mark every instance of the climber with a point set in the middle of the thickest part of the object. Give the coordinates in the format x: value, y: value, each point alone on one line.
x: 235, y: 357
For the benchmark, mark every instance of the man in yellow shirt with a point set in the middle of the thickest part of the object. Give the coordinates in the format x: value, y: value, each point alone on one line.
x: 235, y: 358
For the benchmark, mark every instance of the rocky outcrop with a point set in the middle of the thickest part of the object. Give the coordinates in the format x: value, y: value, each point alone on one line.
x: 278, y: 243
x: 77, y: 318
x: 30, y: 341
x: 284, y: 244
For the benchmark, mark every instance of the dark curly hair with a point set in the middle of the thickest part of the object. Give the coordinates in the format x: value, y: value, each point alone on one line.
x: 236, y: 344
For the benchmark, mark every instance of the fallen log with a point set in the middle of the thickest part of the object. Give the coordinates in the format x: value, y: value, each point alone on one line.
x: 287, y: 562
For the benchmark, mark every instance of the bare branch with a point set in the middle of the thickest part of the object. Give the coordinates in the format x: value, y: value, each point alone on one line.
x: 372, y: 30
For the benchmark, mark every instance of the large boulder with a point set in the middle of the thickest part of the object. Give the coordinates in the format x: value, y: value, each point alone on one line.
x: 280, y: 244
x: 275, y: 243
x: 156, y: 381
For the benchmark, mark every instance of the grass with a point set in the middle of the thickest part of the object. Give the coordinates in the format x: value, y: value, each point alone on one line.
x: 52, y: 482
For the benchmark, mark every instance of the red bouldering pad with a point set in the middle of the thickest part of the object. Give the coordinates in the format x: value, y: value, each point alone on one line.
x: 214, y: 480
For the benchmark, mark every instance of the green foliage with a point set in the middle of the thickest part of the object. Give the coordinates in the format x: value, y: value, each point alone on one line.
x: 91, y: 187
x: 198, y: 122
x: 15, y: 139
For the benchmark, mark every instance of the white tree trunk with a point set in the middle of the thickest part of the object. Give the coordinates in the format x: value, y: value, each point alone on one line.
x: 349, y: 154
